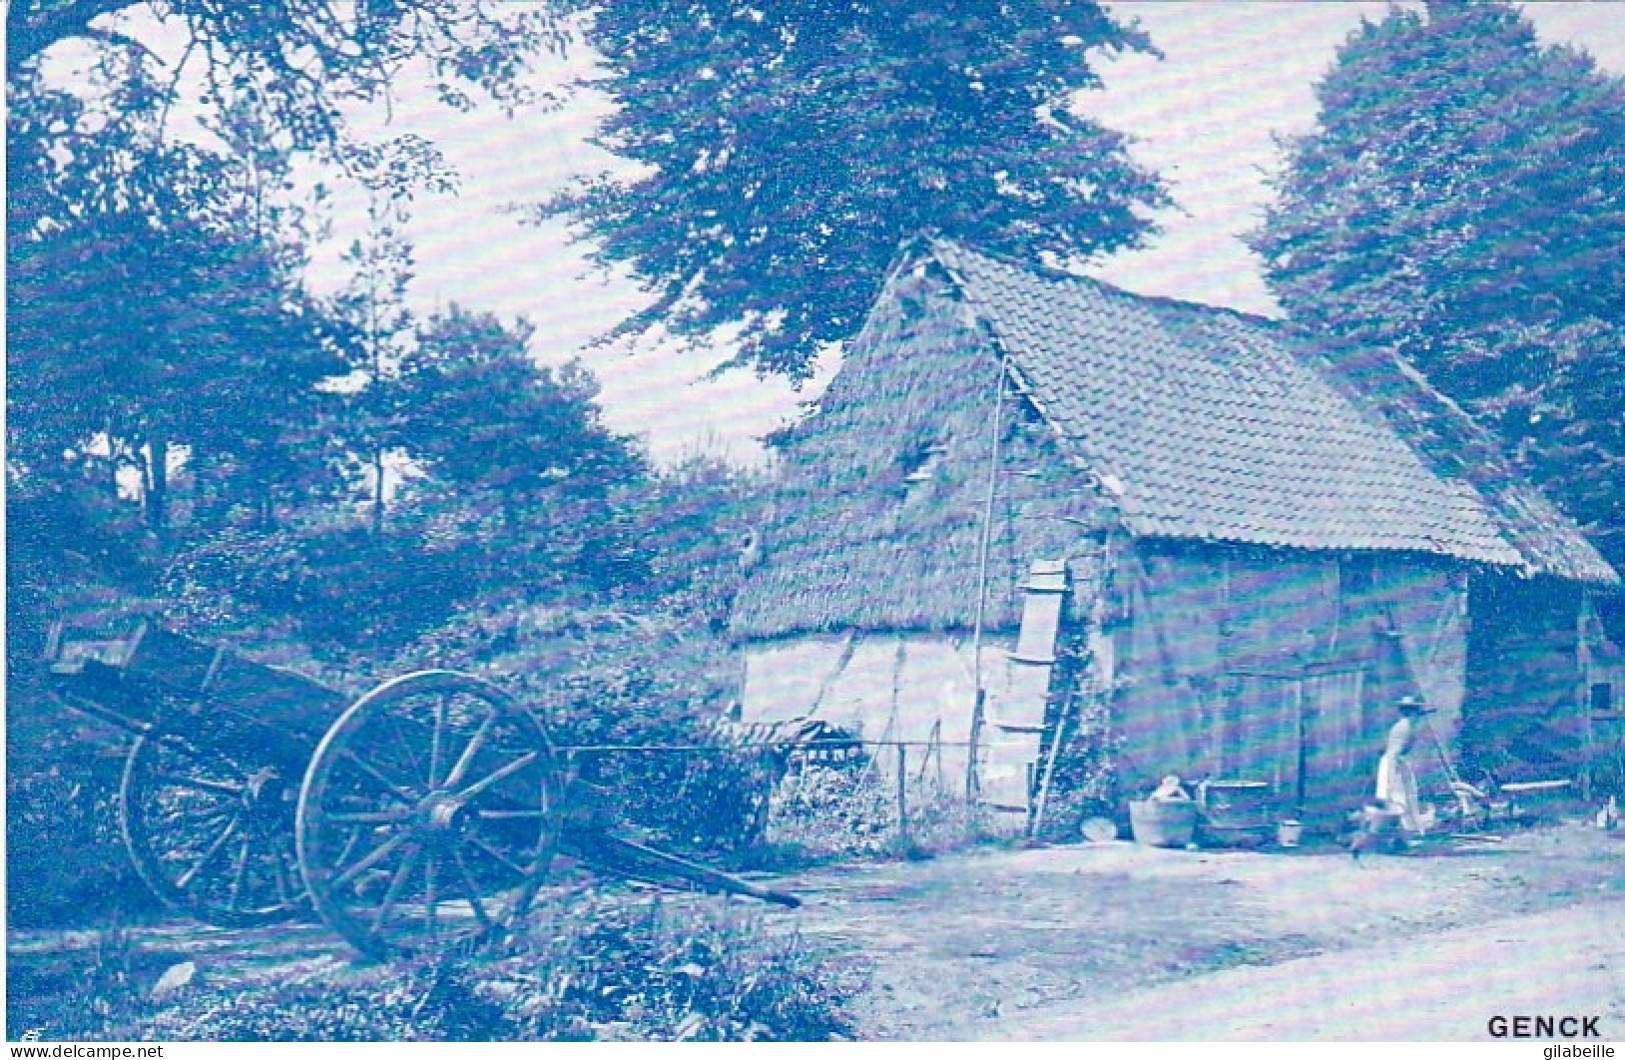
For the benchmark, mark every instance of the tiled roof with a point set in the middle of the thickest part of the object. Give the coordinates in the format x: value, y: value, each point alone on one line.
x: 1213, y: 425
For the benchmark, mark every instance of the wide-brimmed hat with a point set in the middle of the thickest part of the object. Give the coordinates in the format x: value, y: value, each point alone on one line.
x: 1413, y: 705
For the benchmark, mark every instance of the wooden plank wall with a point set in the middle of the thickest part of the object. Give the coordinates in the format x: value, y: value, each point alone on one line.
x: 1280, y: 666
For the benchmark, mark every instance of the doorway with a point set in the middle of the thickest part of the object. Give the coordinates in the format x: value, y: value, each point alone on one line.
x: 1307, y: 733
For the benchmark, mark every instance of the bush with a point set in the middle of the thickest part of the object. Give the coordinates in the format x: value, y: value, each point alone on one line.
x: 603, y: 677
x: 68, y: 1000
x: 341, y: 588
x: 847, y: 810
x: 588, y: 967
x: 838, y: 811
x: 666, y: 970
x: 1085, y: 780
x: 64, y: 855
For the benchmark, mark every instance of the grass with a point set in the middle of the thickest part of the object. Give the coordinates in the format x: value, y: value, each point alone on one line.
x: 592, y: 965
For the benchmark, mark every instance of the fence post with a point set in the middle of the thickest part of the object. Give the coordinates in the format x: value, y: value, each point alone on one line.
x: 902, y: 790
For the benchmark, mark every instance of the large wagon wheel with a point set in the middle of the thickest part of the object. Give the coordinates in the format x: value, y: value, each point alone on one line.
x: 429, y: 816
x: 210, y: 826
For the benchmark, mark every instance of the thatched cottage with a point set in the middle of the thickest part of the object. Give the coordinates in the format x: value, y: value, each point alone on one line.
x: 1230, y: 547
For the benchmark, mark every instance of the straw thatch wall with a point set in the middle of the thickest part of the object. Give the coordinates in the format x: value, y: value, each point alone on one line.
x: 852, y: 543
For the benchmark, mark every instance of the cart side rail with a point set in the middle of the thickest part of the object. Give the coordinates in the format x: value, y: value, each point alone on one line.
x: 121, y: 677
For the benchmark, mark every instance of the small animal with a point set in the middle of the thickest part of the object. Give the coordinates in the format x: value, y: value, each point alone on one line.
x: 1375, y: 832
x: 1366, y: 841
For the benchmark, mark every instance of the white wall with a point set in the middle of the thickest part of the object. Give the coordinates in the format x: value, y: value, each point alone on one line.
x: 899, y: 687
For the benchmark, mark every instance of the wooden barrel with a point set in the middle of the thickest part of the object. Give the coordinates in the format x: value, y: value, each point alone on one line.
x: 1162, y: 823
x: 1236, y: 813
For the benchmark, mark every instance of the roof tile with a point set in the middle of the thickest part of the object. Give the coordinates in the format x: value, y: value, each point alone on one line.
x: 1219, y: 427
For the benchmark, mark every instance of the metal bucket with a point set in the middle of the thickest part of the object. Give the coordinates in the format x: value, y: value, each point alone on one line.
x: 1288, y: 834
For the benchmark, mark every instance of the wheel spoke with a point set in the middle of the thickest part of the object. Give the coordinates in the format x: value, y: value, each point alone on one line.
x: 185, y: 748
x: 500, y: 775
x: 475, y: 742
x: 348, y: 848
x: 498, y: 856
x: 393, y: 893
x: 383, y: 851
x: 435, y: 742
x: 409, y: 753
x: 238, y: 876
x: 209, y: 855
x: 279, y: 876
x: 472, y: 891
x: 513, y: 815
x: 370, y: 816
x: 430, y: 900
x: 198, y: 783
x: 388, y: 785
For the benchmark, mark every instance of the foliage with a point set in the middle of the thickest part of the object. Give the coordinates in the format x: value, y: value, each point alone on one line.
x: 1085, y: 780
x: 603, y: 677
x: 65, y: 860
x: 599, y: 966
x: 784, y: 150
x: 833, y: 811
x: 154, y: 330
x: 512, y: 438
x: 342, y: 588
x: 302, y: 58
x: 670, y: 971
x: 843, y: 810
x: 698, y: 524
x: 1462, y: 202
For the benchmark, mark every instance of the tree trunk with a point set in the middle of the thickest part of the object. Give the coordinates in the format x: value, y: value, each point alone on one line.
x: 267, y: 507
x: 158, y: 485
x: 378, y: 490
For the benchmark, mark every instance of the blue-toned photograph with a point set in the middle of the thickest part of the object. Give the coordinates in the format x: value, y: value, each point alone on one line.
x: 867, y: 520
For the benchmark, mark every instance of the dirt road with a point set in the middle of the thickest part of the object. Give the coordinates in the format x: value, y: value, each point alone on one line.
x: 1437, y: 987
x: 1118, y: 941
x: 1027, y: 943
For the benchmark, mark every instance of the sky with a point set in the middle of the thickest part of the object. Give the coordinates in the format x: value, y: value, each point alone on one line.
x: 1233, y: 79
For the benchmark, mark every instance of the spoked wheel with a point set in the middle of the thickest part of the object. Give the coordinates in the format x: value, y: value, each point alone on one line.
x: 210, y: 829
x: 429, y: 816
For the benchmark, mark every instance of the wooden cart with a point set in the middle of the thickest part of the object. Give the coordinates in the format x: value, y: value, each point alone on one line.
x: 423, y: 817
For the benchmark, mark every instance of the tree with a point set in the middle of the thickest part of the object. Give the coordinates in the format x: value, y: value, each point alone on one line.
x: 373, y: 304
x: 505, y: 435
x: 1462, y: 203
x: 302, y: 58
x: 138, y: 333
x: 785, y: 150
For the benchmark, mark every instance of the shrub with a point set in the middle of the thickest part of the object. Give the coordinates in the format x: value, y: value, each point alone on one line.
x: 1085, y: 780
x: 827, y: 812
x: 834, y: 811
x: 588, y: 967
x: 342, y: 588
x: 700, y: 970
x: 602, y: 677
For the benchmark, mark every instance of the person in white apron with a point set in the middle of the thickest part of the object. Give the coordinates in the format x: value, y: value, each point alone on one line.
x: 1396, y: 780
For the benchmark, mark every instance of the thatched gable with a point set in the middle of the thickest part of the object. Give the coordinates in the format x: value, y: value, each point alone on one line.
x: 879, y: 511
x: 1166, y: 419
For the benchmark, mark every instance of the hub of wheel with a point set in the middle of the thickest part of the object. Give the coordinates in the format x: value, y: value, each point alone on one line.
x: 441, y: 816
x: 265, y: 794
